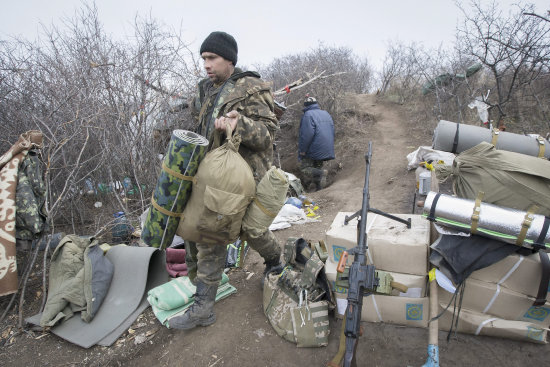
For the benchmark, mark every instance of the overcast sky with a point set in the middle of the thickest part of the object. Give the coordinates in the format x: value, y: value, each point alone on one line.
x: 264, y: 29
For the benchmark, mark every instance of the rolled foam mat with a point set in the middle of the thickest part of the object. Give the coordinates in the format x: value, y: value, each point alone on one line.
x: 468, y: 136
x: 503, y: 224
x: 185, y: 151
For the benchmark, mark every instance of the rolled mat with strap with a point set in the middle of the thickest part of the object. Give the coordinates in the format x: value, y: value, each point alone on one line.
x: 185, y: 151
x: 449, y: 138
x: 504, y: 224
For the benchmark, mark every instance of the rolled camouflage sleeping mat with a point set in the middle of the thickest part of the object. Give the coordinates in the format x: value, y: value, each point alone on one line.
x: 185, y: 151
x: 455, y: 138
x: 522, y: 228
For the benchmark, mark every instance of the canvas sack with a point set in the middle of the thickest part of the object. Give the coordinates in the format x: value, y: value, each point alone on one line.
x: 223, y: 187
x: 270, y: 198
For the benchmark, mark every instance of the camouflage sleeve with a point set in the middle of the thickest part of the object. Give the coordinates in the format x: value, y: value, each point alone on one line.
x: 258, y: 123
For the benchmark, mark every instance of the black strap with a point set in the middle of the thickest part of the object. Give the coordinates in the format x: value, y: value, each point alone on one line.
x: 539, y: 244
x: 431, y: 217
x: 455, y: 142
x: 544, y: 279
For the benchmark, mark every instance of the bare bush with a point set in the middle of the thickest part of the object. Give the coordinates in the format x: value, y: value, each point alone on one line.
x: 515, y: 50
x: 97, y: 102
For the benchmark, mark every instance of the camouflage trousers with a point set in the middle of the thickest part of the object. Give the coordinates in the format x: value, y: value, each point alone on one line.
x: 313, y: 174
x: 206, y: 262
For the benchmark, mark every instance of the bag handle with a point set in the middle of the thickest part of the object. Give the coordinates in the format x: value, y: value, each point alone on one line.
x: 218, y: 137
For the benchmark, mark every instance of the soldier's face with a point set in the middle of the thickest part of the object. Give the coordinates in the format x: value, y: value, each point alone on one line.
x: 217, y: 68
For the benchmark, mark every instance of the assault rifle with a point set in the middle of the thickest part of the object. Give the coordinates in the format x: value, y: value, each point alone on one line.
x: 362, y: 277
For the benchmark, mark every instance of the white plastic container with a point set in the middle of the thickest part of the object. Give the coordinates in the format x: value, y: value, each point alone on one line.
x: 424, y: 183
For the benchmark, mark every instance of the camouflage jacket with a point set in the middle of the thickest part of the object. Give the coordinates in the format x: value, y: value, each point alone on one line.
x: 247, y: 94
x: 30, y: 199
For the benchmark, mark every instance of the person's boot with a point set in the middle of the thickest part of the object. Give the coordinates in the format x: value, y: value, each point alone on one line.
x: 323, y: 181
x: 273, y: 266
x: 201, y: 312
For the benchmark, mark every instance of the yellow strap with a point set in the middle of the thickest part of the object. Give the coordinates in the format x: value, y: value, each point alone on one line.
x: 495, y: 137
x: 164, y: 211
x: 541, y: 146
x: 529, y: 216
x: 264, y: 209
x: 477, y: 210
x: 177, y: 174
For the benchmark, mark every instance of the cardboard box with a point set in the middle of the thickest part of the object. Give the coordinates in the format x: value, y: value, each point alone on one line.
x: 405, y: 311
x: 417, y: 284
x: 493, y: 299
x: 518, y: 273
x: 391, y: 245
x: 475, y: 323
x: 396, y: 309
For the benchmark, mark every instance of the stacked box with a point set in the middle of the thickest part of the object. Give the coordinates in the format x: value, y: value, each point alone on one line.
x: 410, y: 309
x: 476, y: 323
x: 496, y: 300
x: 391, y: 245
x: 517, y: 273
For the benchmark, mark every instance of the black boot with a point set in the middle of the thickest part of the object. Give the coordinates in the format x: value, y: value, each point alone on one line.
x: 201, y: 312
x: 272, y: 267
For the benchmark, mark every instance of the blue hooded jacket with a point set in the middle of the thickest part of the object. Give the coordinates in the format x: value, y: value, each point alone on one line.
x: 316, y: 134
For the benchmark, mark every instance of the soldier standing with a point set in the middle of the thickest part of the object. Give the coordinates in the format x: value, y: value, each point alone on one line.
x: 243, y: 100
x: 316, y: 144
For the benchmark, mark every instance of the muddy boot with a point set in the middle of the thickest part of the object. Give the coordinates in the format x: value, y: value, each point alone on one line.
x: 201, y: 312
x: 272, y: 267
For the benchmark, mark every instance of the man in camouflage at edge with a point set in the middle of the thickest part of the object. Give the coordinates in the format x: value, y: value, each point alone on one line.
x: 241, y: 99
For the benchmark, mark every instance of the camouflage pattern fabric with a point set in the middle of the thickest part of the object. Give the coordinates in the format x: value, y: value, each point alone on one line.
x: 295, y: 303
x: 245, y: 93
x: 312, y: 172
x: 30, y: 199
x: 185, y: 151
x: 9, y: 168
x: 208, y: 265
x: 293, y: 316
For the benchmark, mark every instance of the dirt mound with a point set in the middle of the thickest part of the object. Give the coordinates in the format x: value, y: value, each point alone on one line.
x: 242, y: 335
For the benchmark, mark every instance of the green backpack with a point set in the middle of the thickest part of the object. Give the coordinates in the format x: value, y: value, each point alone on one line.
x: 297, y: 301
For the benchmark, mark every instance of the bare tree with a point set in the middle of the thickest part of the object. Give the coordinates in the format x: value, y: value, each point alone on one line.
x: 514, y: 48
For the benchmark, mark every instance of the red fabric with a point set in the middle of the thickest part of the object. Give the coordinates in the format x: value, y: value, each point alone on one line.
x: 175, y: 262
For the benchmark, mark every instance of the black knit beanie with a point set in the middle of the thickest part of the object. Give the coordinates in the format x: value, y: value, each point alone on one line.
x: 221, y: 44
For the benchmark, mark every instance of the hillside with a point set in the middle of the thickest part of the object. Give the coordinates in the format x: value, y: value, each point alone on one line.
x: 242, y: 335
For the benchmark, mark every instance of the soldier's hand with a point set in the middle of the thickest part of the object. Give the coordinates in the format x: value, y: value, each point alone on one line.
x: 231, y: 117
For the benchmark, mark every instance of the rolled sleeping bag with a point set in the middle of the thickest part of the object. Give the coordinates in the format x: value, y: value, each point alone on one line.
x: 456, y: 138
x: 185, y: 151
x: 268, y: 201
x: 504, y: 224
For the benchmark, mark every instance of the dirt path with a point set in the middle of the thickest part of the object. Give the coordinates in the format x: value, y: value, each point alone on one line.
x: 242, y: 335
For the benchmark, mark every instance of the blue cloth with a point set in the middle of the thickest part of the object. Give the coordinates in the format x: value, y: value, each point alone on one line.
x: 316, y: 134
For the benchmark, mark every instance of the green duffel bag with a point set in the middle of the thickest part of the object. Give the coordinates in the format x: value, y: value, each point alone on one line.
x: 223, y: 188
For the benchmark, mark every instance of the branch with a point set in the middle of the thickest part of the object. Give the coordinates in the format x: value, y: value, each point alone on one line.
x: 298, y: 84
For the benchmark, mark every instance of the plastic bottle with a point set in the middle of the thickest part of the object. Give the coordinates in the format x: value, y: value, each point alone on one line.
x: 122, y: 229
x: 294, y: 201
